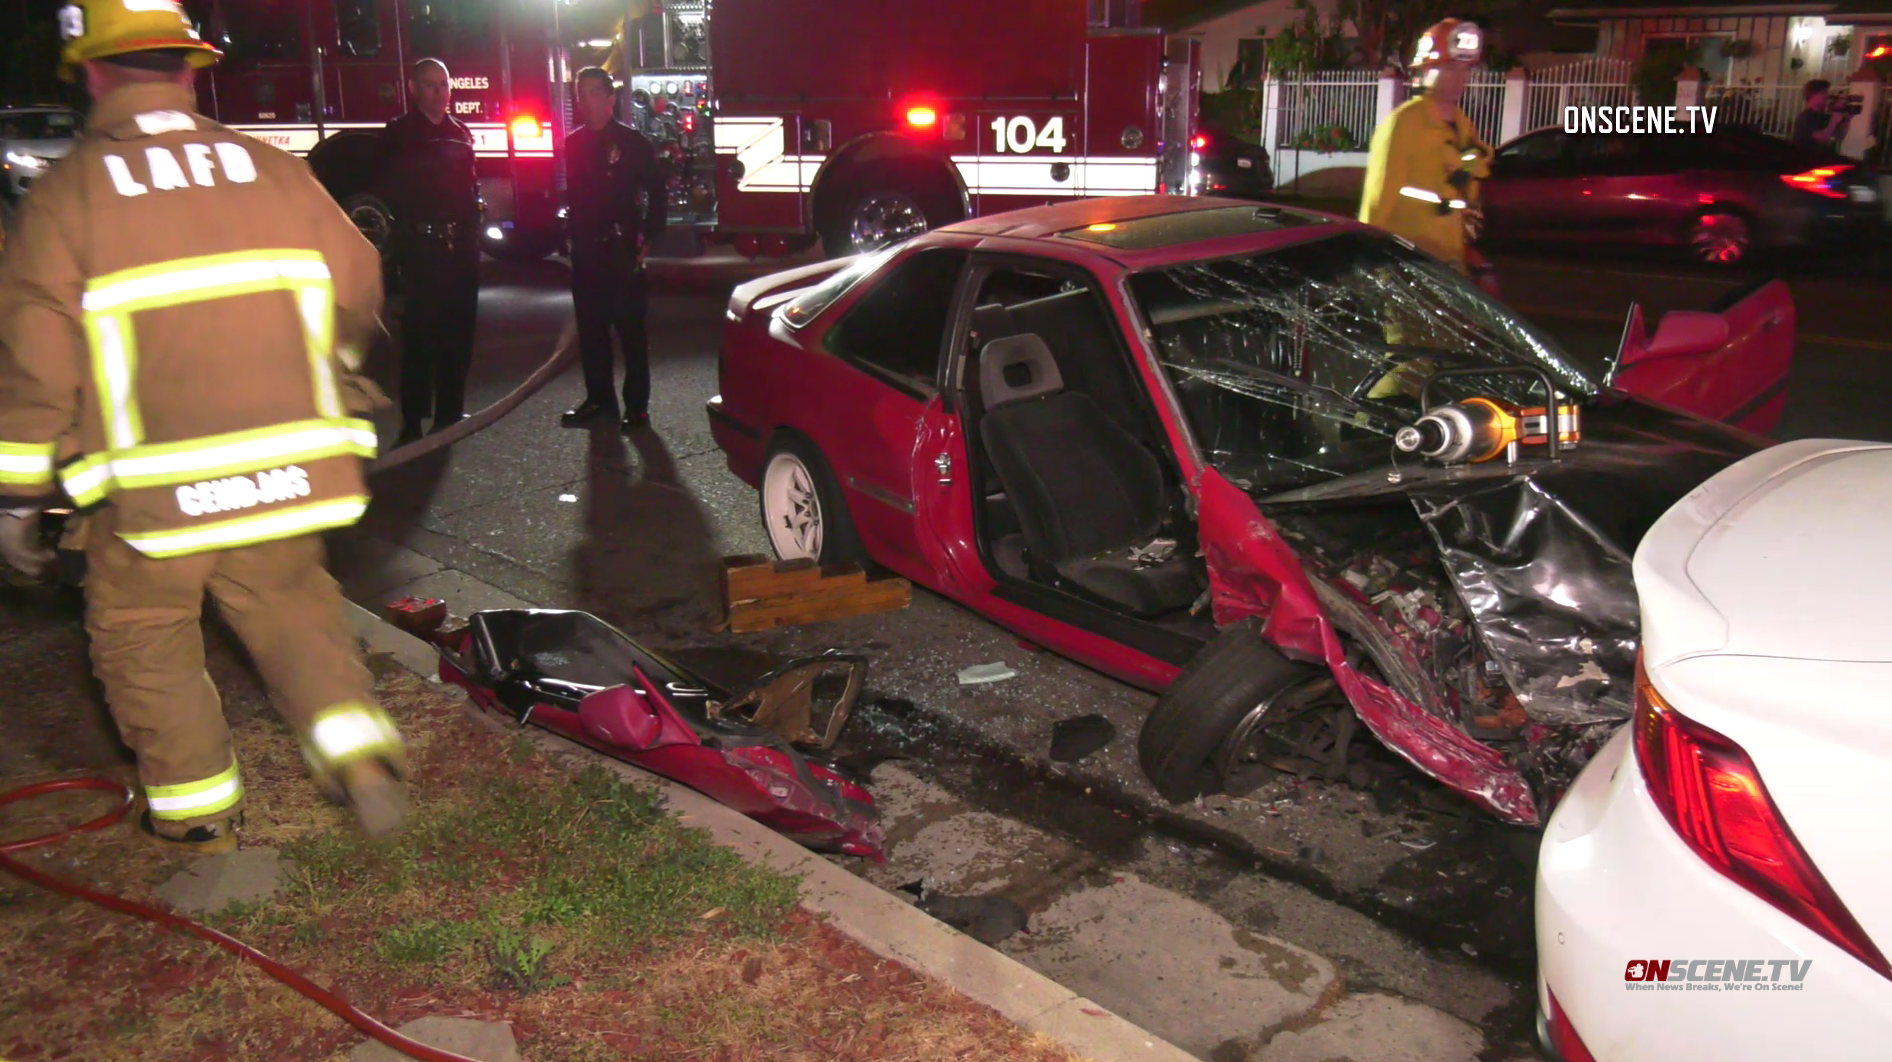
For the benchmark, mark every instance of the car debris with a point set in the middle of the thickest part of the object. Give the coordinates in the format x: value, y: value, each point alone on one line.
x: 1077, y: 737
x: 981, y: 674
x: 757, y: 750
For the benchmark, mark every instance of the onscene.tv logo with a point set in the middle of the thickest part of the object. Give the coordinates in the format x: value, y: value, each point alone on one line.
x: 1717, y: 975
x: 1673, y: 121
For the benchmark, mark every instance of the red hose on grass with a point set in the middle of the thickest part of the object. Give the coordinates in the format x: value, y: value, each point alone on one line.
x: 334, y: 1004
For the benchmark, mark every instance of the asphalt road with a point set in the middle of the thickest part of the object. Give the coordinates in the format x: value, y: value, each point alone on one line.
x: 1408, y: 899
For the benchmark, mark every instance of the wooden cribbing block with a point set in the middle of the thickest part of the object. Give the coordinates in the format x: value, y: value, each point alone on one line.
x: 760, y: 596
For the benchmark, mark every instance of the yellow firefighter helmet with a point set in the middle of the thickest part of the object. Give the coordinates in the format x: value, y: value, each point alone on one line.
x: 1451, y: 41
x: 100, y: 29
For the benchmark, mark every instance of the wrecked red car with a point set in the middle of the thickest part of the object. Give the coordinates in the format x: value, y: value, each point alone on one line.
x: 1276, y: 464
x: 577, y: 676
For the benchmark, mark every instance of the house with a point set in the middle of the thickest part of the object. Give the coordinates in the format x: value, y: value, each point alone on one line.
x: 1776, y: 44
x: 1234, y: 34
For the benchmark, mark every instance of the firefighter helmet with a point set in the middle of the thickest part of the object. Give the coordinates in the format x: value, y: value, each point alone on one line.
x: 1451, y: 41
x: 100, y: 29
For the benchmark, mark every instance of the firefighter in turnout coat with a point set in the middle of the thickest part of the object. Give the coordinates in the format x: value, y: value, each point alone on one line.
x: 181, y: 310
x: 1427, y: 159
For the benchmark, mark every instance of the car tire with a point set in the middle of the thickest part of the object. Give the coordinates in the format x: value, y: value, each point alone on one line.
x: 1720, y: 237
x: 803, y: 513
x: 1227, y: 681
x: 884, y: 205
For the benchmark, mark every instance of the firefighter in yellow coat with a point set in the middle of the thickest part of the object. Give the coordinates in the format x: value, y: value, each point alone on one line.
x: 180, y: 311
x: 1422, y: 174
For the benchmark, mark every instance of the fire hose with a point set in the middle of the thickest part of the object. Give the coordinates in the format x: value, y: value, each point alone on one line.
x: 334, y: 1004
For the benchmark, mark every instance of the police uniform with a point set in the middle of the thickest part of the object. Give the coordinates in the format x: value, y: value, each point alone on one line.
x: 618, y: 203
x: 434, y: 193
x: 1422, y: 170
x: 181, y: 311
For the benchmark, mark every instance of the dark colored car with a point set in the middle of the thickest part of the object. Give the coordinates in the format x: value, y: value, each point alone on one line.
x: 1721, y: 195
x: 1226, y: 165
x: 32, y: 138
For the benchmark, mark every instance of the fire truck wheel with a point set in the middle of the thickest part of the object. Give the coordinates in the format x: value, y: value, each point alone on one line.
x: 371, y: 215
x: 886, y: 205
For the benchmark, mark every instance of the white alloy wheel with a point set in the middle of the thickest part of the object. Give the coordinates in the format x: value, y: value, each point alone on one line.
x: 791, y: 508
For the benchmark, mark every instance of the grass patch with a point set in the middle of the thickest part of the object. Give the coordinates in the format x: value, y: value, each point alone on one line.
x: 569, y: 904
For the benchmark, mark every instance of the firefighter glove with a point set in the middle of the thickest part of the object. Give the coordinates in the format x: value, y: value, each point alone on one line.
x: 20, y: 544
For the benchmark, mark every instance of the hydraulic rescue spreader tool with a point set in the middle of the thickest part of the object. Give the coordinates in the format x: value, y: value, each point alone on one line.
x: 1480, y: 428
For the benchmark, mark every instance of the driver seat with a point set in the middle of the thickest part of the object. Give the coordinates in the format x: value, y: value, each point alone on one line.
x: 1086, y: 492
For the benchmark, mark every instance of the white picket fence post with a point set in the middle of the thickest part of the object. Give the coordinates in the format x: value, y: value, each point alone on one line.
x: 1516, y: 89
x: 1392, y: 94
x: 1861, y: 134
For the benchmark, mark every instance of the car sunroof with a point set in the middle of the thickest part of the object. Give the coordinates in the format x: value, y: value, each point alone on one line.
x: 1189, y: 226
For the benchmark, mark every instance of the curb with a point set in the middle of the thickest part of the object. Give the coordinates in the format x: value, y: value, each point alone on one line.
x: 884, y: 925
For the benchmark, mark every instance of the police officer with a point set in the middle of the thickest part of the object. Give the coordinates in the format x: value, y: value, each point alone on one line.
x: 434, y: 193
x: 619, y: 204
x: 1426, y: 158
x: 181, y: 313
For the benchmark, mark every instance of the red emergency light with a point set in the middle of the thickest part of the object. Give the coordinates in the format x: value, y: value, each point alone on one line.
x: 689, y: 121
x: 922, y: 117
x: 1199, y: 142
x: 1880, y: 52
x: 525, y: 127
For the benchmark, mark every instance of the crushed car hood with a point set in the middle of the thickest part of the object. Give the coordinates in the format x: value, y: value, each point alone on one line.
x: 1540, y: 553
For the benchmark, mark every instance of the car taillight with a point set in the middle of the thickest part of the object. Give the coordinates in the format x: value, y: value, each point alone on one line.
x: 1564, y: 1041
x: 1819, y: 181
x: 1199, y: 142
x: 1711, y: 793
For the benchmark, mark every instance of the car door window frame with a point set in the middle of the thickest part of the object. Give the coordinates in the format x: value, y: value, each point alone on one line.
x: 865, y: 288
x: 981, y: 266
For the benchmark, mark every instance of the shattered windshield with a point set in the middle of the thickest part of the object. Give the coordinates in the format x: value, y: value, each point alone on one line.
x: 1298, y: 365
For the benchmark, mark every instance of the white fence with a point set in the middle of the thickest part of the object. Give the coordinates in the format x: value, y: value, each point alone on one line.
x: 1324, y: 120
x: 1586, y: 83
x: 1768, y: 108
x: 1334, y: 110
x: 1483, y: 103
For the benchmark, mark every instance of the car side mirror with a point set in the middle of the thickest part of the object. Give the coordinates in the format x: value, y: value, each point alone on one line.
x: 620, y: 716
x: 1682, y: 334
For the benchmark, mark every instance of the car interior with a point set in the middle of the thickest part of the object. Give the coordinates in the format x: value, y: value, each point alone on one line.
x: 1080, y: 494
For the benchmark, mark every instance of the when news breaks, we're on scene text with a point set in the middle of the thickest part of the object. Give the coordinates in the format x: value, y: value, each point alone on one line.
x: 1670, y: 121
x: 1716, y: 975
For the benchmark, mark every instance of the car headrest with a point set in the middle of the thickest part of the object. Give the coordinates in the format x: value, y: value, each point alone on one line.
x: 989, y: 322
x: 1015, y: 368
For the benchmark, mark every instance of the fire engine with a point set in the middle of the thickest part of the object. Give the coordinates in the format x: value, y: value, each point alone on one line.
x: 854, y: 123
x: 320, y: 78
x: 862, y: 122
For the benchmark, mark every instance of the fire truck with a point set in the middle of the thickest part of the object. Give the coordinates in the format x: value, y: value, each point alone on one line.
x: 862, y: 122
x: 854, y: 123
x: 320, y: 78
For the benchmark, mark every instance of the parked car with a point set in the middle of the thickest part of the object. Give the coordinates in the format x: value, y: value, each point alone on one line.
x: 1158, y: 435
x: 1230, y: 166
x: 1719, y: 196
x: 31, y: 140
x: 1729, y: 840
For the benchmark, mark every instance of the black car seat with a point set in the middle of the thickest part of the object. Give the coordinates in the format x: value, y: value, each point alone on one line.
x: 1087, y: 494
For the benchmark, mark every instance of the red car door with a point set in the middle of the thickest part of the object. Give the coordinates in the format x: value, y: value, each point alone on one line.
x: 1729, y: 365
x: 876, y: 389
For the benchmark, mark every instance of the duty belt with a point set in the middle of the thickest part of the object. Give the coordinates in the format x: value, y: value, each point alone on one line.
x: 611, y: 234
x: 451, y: 231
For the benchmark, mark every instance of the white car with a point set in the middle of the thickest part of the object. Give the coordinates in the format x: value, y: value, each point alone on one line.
x: 1739, y: 826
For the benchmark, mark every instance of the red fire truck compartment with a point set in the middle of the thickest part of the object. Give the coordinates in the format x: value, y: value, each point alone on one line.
x: 862, y: 121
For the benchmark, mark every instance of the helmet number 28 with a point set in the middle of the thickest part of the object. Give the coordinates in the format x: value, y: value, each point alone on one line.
x: 1021, y: 135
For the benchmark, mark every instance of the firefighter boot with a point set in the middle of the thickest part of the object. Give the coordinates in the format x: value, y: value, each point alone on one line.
x: 377, y: 795
x: 203, y: 839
